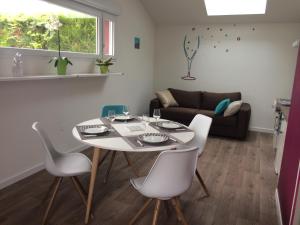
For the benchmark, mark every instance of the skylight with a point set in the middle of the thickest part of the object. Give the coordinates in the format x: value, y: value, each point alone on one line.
x: 235, y: 7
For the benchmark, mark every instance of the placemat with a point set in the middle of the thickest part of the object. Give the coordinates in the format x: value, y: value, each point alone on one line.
x: 133, y: 142
x: 111, y: 133
x: 107, y: 121
x: 178, y: 130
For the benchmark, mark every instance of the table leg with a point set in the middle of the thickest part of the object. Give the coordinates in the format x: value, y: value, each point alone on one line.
x: 95, y: 162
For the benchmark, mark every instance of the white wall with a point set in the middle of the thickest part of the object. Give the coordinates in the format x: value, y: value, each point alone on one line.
x: 261, y: 65
x: 60, y: 104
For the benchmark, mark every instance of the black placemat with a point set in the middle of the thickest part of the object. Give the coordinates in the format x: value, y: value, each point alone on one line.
x: 133, y: 142
x: 111, y: 133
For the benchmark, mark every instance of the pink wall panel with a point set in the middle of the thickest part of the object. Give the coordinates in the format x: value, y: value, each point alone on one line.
x: 291, y: 155
x: 106, y: 32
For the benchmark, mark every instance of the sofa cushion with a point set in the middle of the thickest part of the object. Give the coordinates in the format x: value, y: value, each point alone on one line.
x: 187, y: 99
x: 179, y: 114
x: 166, y: 98
x: 210, y: 100
x: 230, y: 121
x: 222, y: 106
x: 233, y: 108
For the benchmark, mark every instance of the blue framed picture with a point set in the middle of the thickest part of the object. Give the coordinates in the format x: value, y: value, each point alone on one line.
x: 137, y: 42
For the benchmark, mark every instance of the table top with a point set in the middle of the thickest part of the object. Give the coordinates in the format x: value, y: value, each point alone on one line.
x: 120, y: 141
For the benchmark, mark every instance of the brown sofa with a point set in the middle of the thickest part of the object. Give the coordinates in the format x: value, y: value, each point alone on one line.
x: 202, y: 102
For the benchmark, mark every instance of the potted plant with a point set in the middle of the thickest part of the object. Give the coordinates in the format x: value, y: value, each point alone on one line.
x: 104, y: 64
x: 61, y: 63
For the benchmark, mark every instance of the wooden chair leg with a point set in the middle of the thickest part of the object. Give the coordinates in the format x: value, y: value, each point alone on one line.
x: 49, y: 190
x: 139, y: 213
x: 110, y: 166
x: 130, y: 164
x: 202, y: 182
x: 104, y: 157
x: 166, y: 204
x: 156, y: 212
x: 177, y: 207
x: 56, y: 187
x: 80, y: 191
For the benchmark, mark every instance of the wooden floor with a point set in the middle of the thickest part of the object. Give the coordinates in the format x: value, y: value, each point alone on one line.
x: 239, y: 175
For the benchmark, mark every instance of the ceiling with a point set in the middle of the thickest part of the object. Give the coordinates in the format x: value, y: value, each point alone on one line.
x: 183, y: 12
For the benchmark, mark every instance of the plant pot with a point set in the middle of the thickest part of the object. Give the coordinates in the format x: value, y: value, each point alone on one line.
x: 62, y: 66
x: 104, y: 69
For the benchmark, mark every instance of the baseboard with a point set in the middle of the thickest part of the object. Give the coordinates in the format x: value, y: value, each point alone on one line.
x: 278, y: 208
x: 30, y: 171
x: 262, y: 130
x: 20, y: 176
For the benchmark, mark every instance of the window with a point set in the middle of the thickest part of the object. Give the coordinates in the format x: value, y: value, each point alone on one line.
x: 29, y: 24
x: 235, y: 7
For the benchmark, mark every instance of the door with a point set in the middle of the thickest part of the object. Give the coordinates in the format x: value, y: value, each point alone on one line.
x: 280, y: 145
x: 296, y: 220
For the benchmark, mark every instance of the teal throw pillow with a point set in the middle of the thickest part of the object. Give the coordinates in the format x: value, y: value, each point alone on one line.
x: 222, y: 106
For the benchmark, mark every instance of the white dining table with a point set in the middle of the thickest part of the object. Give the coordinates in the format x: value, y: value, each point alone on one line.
x: 121, y: 133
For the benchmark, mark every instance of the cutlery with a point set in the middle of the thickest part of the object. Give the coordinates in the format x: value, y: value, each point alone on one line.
x: 140, y: 143
x: 173, y: 139
x: 90, y: 135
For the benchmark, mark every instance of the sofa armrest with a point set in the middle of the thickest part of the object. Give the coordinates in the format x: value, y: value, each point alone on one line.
x: 243, y: 120
x: 154, y: 104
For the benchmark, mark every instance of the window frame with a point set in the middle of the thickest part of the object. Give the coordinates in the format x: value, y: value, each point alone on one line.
x: 80, y: 8
x: 113, y: 19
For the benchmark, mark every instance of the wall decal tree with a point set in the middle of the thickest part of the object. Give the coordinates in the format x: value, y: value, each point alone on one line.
x: 190, y: 47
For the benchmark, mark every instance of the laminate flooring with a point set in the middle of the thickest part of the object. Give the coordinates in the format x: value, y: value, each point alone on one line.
x: 239, y: 175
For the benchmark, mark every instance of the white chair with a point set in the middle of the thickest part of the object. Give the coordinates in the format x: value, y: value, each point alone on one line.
x: 200, y: 125
x: 62, y: 165
x: 170, y: 176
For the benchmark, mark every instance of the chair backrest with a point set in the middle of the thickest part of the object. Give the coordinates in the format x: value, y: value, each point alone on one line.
x: 51, y: 153
x: 118, y: 109
x: 201, y: 126
x: 171, y: 174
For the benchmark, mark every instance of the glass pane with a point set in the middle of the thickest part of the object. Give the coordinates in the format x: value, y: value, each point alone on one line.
x: 32, y: 24
x: 108, y: 34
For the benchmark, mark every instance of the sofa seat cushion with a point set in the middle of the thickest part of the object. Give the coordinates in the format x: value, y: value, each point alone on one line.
x: 178, y: 113
x: 210, y: 100
x: 230, y: 121
x: 220, y: 120
x: 209, y: 113
x: 187, y: 99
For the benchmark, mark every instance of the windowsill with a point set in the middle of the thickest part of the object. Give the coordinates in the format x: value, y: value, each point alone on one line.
x: 52, y: 77
x: 10, y: 51
x: 46, y: 53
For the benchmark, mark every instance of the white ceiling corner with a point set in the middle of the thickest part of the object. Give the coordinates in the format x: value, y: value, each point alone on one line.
x: 110, y: 6
x: 183, y: 12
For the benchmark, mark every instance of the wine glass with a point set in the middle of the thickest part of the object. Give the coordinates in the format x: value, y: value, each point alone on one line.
x: 145, y: 120
x: 125, y: 110
x: 156, y: 114
x: 111, y: 115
